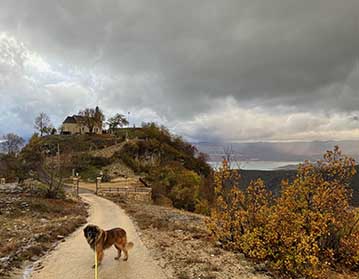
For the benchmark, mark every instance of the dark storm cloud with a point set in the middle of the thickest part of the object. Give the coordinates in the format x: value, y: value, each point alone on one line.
x: 179, y: 58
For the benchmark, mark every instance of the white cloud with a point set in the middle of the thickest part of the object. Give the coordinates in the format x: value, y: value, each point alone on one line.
x: 231, y: 122
x: 30, y: 84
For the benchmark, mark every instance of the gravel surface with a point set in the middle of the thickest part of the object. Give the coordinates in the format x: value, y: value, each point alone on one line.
x: 73, y: 258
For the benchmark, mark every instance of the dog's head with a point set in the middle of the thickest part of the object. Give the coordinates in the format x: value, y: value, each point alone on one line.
x: 91, y: 232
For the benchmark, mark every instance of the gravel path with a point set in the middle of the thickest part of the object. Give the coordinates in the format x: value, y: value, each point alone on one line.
x: 74, y: 258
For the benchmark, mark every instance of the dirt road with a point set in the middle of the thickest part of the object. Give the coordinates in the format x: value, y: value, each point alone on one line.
x: 74, y: 258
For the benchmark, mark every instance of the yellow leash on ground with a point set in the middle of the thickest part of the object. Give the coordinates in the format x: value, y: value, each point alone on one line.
x: 96, y: 269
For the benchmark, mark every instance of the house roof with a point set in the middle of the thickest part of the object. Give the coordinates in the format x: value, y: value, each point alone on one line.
x: 69, y: 119
x: 74, y: 119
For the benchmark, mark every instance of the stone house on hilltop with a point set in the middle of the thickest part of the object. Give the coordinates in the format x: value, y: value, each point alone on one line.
x: 76, y: 124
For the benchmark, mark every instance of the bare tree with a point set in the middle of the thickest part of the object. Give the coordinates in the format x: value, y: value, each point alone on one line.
x: 118, y: 120
x: 55, y: 177
x: 43, y: 124
x: 231, y: 156
x: 228, y: 153
x: 51, y: 170
x: 92, y: 117
x: 12, y: 143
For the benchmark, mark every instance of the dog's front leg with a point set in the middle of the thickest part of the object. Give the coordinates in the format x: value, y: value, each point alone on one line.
x: 100, y: 254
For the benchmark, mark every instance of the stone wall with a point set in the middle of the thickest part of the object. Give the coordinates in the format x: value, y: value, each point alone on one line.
x: 129, y: 195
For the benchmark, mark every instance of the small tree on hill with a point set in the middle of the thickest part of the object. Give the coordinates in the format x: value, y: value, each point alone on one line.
x: 12, y: 143
x: 92, y: 117
x: 38, y: 158
x: 43, y: 124
x: 116, y: 121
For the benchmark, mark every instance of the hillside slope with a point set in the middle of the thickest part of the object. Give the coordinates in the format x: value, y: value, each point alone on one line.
x: 174, y: 169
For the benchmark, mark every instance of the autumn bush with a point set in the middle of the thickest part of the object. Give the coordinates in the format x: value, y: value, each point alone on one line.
x: 177, y: 183
x: 308, y: 230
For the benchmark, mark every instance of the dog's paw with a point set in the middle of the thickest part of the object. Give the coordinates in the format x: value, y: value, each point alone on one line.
x: 125, y: 259
x: 116, y: 258
x: 93, y: 266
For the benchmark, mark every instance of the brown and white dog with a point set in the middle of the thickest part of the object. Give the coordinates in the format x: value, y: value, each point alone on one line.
x: 101, y: 239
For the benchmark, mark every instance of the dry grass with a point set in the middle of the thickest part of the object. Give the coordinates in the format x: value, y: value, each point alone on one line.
x: 180, y: 242
x: 31, y: 225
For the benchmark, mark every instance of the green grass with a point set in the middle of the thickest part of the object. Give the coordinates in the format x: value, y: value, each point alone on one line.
x: 78, y: 143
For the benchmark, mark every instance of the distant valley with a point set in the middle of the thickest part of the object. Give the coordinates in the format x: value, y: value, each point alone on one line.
x: 274, y: 161
x: 276, y: 151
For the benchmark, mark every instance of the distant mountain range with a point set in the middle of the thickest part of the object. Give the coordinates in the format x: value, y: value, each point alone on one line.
x: 277, y: 151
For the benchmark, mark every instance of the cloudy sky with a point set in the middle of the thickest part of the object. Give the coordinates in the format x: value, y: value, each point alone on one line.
x: 241, y: 70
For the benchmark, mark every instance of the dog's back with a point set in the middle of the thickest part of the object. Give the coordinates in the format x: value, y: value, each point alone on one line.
x: 116, y: 235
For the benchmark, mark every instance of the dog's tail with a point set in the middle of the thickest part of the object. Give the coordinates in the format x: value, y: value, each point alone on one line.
x: 129, y: 245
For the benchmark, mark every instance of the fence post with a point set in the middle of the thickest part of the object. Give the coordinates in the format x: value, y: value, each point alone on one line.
x: 74, y: 183
x: 77, y: 187
x: 98, y: 183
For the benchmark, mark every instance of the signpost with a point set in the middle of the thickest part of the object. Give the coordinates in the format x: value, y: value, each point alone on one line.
x: 76, y: 184
x: 98, y: 183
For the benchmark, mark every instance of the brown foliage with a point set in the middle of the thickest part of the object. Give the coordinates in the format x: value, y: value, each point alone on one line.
x: 308, y: 230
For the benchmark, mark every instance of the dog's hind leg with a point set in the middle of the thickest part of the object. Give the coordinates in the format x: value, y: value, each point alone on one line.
x: 118, y: 252
x: 124, y: 249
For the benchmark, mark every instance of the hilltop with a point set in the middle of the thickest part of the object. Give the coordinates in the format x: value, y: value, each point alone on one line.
x: 174, y: 169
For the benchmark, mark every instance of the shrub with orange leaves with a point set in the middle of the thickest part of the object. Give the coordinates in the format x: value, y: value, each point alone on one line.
x: 309, y: 229
x: 238, y: 217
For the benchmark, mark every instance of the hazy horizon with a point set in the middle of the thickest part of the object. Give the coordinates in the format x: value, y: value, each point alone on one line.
x: 277, y: 151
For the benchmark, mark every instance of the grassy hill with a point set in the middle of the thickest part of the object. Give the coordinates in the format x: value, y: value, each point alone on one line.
x: 174, y: 169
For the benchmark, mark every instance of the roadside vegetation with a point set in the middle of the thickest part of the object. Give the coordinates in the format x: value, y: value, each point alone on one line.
x: 32, y: 224
x: 35, y: 211
x: 180, y: 243
x: 308, y: 231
